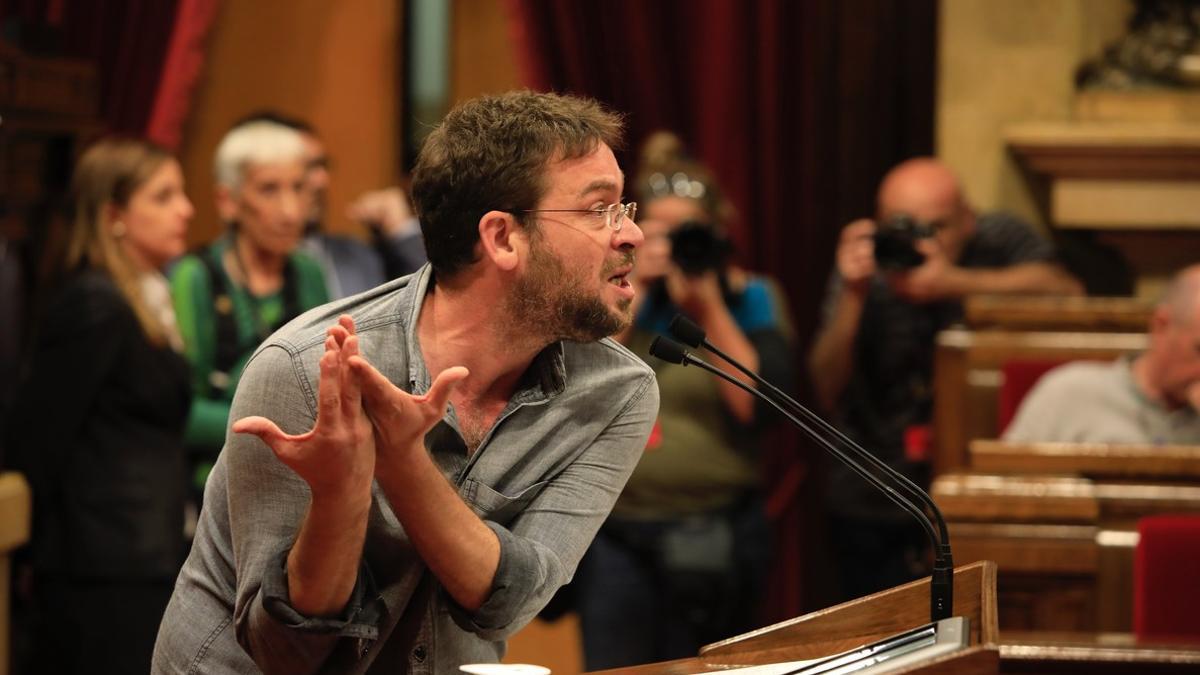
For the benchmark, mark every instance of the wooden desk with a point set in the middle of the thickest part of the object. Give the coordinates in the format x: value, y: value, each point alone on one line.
x: 1097, y: 460
x: 1058, y: 313
x: 1060, y: 520
x: 1100, y: 653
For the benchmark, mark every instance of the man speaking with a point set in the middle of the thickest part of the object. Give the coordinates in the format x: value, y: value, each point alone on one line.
x: 353, y: 523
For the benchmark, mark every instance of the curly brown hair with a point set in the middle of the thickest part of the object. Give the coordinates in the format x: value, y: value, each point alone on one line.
x: 491, y: 153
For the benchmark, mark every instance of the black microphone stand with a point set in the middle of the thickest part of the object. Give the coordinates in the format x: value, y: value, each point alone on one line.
x: 830, y: 438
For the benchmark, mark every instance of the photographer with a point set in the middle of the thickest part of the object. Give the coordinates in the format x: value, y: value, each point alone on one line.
x: 681, y: 560
x: 896, y: 284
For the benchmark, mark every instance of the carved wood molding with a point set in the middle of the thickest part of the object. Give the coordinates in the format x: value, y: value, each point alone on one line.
x: 1120, y: 151
x: 1040, y: 312
x: 1169, y: 462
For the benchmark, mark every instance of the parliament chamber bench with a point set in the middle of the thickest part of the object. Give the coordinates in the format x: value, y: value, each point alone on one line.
x: 977, y: 365
x: 1060, y: 520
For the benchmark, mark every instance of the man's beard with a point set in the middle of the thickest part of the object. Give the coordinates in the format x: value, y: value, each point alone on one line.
x: 551, y: 302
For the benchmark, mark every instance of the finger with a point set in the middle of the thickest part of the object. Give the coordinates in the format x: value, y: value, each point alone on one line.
x: 351, y: 384
x: 928, y: 247
x: 347, y: 323
x: 267, y: 431
x: 375, y: 387
x: 329, y: 392
x: 863, y: 227
x: 338, y: 333
x: 439, y: 393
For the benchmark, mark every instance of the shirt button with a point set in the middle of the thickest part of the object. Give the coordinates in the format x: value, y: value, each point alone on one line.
x: 418, y: 653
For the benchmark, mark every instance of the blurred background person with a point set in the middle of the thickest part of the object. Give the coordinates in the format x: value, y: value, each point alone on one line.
x: 234, y: 293
x: 351, y: 266
x: 683, y: 559
x: 98, y: 425
x: 1152, y: 398
x: 895, y: 285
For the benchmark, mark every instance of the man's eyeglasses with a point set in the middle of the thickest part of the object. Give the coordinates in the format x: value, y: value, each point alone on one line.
x: 613, y: 215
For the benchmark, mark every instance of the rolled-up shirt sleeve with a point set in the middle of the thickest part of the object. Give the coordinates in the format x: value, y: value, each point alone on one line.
x: 542, y: 546
x: 357, y: 620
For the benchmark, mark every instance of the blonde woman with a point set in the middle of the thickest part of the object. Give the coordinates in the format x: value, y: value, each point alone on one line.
x: 101, y: 419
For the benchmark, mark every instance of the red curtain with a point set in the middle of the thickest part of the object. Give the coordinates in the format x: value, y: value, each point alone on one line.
x: 799, y: 107
x: 147, y: 53
x: 181, y: 70
x: 127, y: 40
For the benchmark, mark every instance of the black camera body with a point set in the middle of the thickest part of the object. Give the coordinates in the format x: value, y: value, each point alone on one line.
x: 696, y: 248
x: 895, y: 242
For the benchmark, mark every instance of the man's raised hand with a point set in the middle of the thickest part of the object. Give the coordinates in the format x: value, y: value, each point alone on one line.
x: 401, y: 419
x: 337, y: 456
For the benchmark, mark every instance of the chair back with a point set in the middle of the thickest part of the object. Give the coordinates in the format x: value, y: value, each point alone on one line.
x: 1166, y: 591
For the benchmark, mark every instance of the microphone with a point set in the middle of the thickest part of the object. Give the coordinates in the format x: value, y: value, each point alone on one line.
x: 837, y: 443
x: 687, y: 332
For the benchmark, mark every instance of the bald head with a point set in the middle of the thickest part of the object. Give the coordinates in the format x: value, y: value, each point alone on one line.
x: 1169, y: 370
x: 926, y: 190
x: 922, y: 188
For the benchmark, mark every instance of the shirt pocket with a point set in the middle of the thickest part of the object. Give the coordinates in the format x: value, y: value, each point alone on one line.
x: 491, y: 504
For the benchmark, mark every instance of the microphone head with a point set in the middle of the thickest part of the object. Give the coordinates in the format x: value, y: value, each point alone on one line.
x: 668, y: 350
x: 686, y: 331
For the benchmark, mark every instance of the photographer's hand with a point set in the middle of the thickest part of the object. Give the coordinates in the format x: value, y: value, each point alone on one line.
x: 935, y: 279
x: 856, y: 255
x: 832, y: 357
x: 702, y: 299
x: 698, y: 296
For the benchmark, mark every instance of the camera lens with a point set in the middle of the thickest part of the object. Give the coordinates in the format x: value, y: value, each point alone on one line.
x: 697, y: 248
x: 895, y: 242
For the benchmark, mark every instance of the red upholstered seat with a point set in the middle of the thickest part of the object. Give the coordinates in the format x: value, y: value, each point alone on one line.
x: 1166, y: 577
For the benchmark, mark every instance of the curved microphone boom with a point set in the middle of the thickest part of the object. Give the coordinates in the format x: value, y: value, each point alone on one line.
x: 838, y: 444
x: 687, y: 332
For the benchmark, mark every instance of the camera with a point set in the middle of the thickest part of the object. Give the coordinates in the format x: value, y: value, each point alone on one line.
x: 697, y: 247
x: 895, y: 242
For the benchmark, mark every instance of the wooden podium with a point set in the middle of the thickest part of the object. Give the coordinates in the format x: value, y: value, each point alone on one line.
x: 859, y: 622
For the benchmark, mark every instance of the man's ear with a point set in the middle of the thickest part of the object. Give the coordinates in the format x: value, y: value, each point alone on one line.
x: 501, y: 239
x: 226, y: 204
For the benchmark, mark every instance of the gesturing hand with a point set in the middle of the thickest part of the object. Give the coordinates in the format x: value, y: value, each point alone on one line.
x: 401, y: 419
x: 337, y: 457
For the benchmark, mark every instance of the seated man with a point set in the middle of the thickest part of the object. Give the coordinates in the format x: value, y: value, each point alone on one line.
x: 872, y: 360
x: 1153, y: 398
x: 390, y: 535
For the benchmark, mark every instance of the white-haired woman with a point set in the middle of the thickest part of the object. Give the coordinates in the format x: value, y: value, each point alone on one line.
x: 99, y: 422
x: 233, y: 294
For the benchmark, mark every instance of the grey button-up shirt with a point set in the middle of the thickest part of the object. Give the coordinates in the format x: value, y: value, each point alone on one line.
x: 543, y: 480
